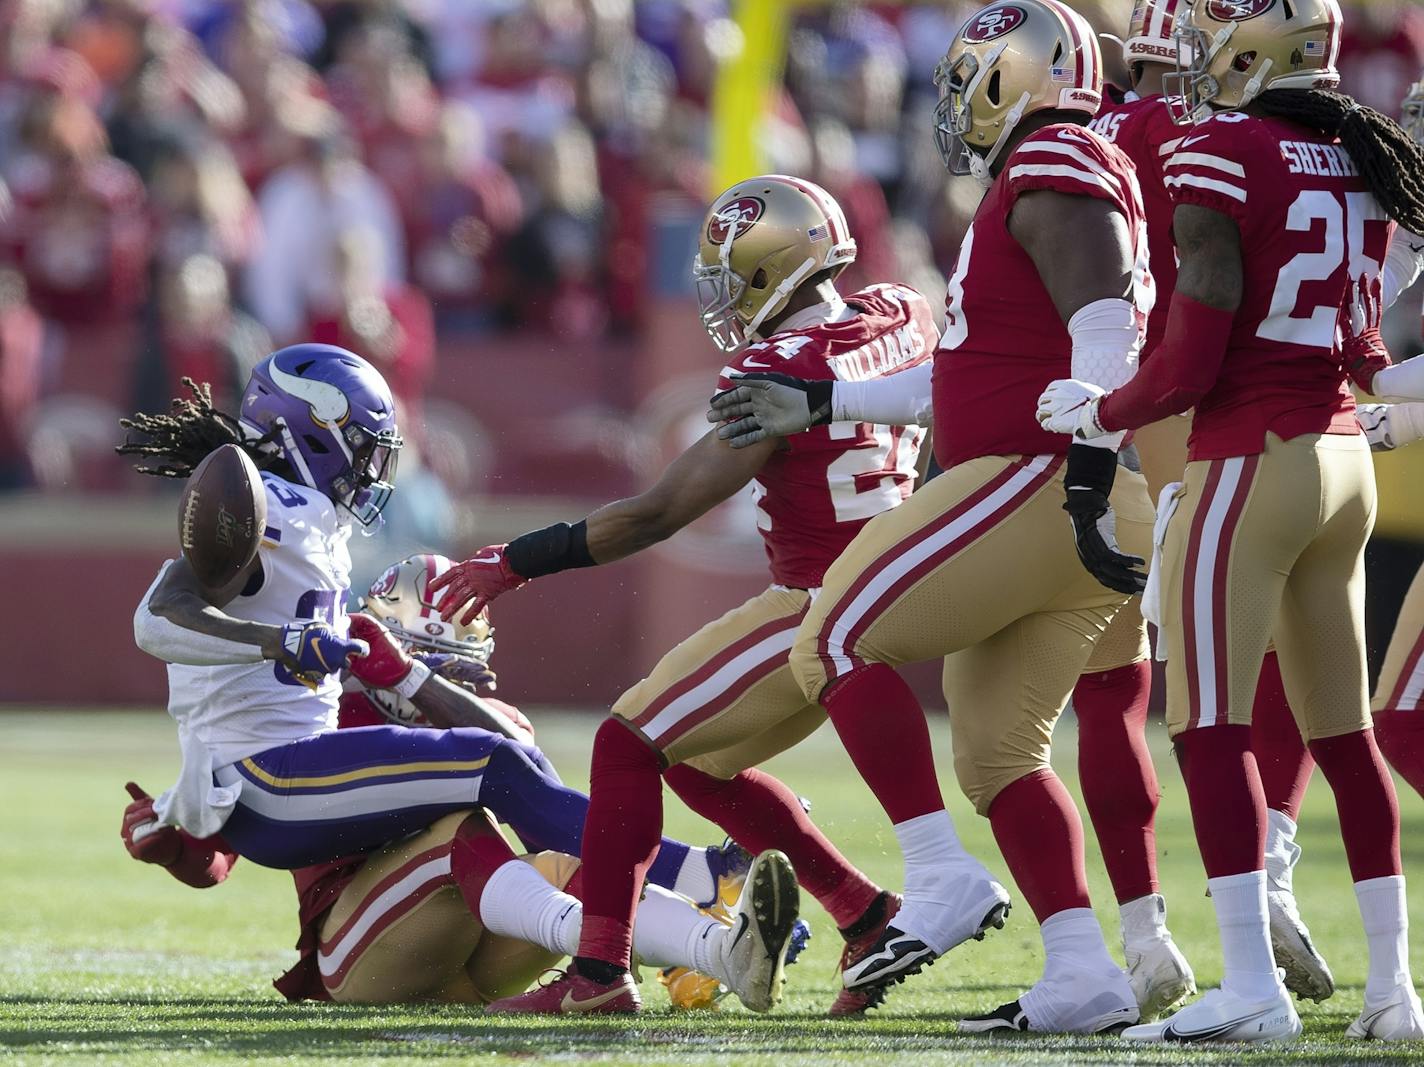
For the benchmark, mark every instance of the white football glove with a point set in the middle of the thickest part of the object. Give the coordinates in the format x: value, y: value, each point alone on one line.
x: 1390, y: 426
x: 1071, y: 406
x: 769, y: 405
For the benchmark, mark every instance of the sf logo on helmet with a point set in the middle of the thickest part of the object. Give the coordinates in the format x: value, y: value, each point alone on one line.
x: 735, y: 219
x: 386, y: 582
x: 1238, y: 10
x: 995, y: 22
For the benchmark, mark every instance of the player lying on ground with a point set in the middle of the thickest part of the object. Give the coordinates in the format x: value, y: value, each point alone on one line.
x: 395, y: 927
x: 979, y: 566
x: 725, y: 700
x: 1279, y: 495
x: 262, y: 760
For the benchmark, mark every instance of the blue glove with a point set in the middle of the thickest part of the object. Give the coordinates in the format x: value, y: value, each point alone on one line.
x: 317, y: 651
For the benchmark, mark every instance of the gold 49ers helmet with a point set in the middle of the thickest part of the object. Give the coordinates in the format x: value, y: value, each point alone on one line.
x: 1010, y: 60
x: 1411, y: 113
x: 1231, y: 51
x: 761, y: 239
x: 401, y: 599
x: 1149, y: 33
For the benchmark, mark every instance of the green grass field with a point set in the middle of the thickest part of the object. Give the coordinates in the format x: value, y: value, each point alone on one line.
x: 106, y: 961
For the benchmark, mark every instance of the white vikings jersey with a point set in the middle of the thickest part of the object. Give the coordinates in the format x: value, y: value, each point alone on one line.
x: 241, y: 709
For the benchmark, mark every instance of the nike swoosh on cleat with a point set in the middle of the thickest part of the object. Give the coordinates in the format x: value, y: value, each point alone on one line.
x: 743, y: 924
x: 570, y: 1003
x: 1171, y: 1033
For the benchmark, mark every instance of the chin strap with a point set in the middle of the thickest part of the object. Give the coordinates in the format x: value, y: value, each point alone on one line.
x: 982, y: 166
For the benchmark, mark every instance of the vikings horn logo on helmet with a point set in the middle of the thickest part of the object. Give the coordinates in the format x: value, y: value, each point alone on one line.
x: 1238, y: 10
x: 734, y: 219
x: 995, y: 22
x: 329, y: 405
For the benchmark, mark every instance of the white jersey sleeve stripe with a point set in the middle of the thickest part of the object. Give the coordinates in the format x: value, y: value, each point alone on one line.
x: 1043, y: 170
x: 1201, y: 159
x: 1197, y: 181
x: 1170, y: 147
x: 1072, y: 153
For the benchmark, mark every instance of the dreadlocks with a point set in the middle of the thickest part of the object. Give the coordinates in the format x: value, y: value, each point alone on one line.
x: 191, y: 430
x: 1390, y: 162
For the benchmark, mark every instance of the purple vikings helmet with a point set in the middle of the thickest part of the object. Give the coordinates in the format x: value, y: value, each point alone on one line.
x: 335, y: 423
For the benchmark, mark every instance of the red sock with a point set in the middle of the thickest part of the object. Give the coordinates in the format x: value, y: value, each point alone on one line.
x: 1116, y: 774
x: 1228, y: 804
x: 1282, y: 759
x: 884, y: 731
x: 759, y: 813
x: 1400, y: 735
x: 621, y: 835
x: 1365, y: 801
x: 1041, y: 837
x: 475, y: 854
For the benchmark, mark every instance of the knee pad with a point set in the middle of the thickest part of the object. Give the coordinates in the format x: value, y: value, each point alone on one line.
x: 981, y: 784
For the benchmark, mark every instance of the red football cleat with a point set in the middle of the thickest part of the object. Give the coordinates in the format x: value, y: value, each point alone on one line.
x: 572, y: 993
x: 858, y: 1001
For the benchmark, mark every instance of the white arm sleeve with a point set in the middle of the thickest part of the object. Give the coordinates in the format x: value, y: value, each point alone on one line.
x: 177, y: 644
x: 1402, y: 265
x: 1106, y: 340
x: 1400, y: 383
x: 902, y: 399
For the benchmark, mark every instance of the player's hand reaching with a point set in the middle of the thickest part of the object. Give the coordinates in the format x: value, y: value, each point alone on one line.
x: 477, y: 581
x: 386, y: 664
x: 769, y: 405
x: 145, y: 838
x: 1070, y: 406
x: 462, y: 670
x: 1362, y: 348
x: 314, y: 650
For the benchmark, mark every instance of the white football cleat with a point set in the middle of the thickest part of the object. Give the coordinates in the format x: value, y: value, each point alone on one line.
x: 1307, y: 974
x: 1223, y: 1016
x: 754, y: 948
x: 1400, y: 1018
x: 1160, y: 975
x: 1064, y: 1004
x: 967, y: 903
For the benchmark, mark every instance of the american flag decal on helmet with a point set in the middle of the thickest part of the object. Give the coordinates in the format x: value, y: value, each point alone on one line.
x: 1315, y: 48
x: 818, y: 233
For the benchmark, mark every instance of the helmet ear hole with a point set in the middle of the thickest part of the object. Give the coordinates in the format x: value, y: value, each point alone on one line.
x: 1243, y: 61
x: 992, y: 90
x: 316, y: 444
x: 759, y: 279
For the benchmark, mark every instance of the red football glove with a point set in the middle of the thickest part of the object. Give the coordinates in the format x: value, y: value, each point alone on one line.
x: 1362, y: 348
x: 156, y: 844
x: 386, y: 664
x: 484, y: 576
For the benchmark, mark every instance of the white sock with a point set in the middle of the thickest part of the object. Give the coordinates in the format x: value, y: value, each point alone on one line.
x: 927, y: 842
x: 519, y: 903
x: 1248, y: 964
x: 1073, y: 944
x: 669, y: 931
x: 1144, y: 920
x: 1386, y: 920
x: 1281, y: 850
x: 694, y: 878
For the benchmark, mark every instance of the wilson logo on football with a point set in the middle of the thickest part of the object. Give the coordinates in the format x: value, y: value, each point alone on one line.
x: 1238, y: 10
x: 735, y: 219
x: 995, y: 22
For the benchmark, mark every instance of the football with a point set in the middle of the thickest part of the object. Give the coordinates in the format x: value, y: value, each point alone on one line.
x: 221, y: 516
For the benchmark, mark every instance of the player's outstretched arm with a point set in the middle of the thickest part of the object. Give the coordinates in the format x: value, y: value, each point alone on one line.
x: 698, y: 480
x: 764, y: 406
x: 180, y: 620
x: 195, y: 862
x: 445, y: 704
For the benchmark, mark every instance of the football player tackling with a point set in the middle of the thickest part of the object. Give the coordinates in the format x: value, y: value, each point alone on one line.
x: 1284, y: 191
x: 1052, y: 273
x: 725, y: 700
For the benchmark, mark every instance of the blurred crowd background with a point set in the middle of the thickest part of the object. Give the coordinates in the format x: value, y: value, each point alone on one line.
x: 493, y: 200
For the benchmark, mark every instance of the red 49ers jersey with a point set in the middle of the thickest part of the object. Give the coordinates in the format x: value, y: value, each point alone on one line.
x: 1308, y: 225
x: 1003, y: 340
x: 815, y: 493
x: 1142, y: 127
